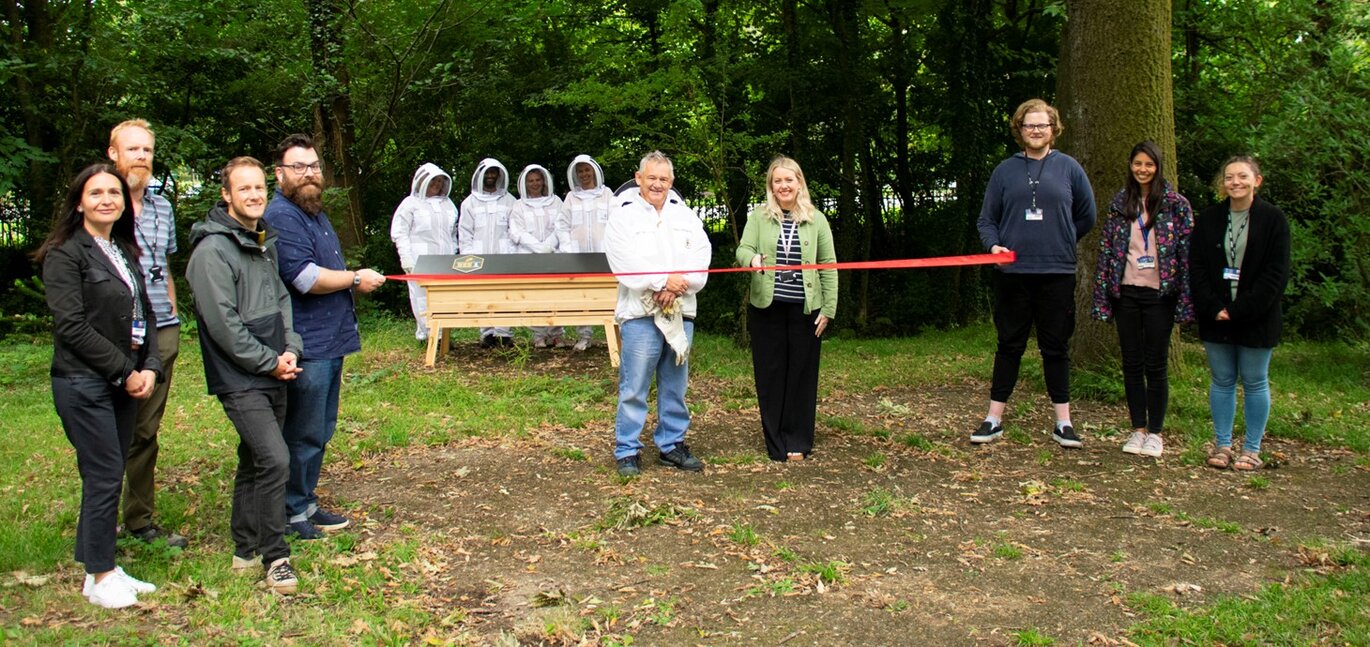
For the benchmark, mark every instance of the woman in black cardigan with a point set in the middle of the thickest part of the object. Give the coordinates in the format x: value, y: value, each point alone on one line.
x: 1239, y: 269
x: 104, y: 360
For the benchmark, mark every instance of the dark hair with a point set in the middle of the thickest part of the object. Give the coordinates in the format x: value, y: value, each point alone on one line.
x: 69, y: 218
x: 297, y: 140
x: 1133, y: 189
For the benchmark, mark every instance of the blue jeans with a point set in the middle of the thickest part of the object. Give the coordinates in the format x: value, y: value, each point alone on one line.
x: 310, y: 418
x: 1227, y: 362
x: 644, y: 353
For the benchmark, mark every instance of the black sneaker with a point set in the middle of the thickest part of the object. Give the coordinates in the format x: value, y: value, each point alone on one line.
x: 303, y: 530
x: 986, y: 433
x: 1065, y: 437
x: 153, y: 532
x: 681, y: 458
x: 325, y: 520
x: 628, y: 466
x: 489, y: 341
x: 506, y: 342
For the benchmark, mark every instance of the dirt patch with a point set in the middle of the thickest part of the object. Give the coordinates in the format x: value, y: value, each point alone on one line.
x: 896, y: 532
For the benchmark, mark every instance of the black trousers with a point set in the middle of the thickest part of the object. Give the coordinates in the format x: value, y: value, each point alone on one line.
x: 785, y: 365
x: 1144, y: 321
x: 1022, y: 301
x: 98, y: 419
x: 258, y: 518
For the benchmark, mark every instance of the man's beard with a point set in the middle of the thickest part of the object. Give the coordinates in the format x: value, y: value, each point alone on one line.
x: 137, y: 177
x: 306, y: 193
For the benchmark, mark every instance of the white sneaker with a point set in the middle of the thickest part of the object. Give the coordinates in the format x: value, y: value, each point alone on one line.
x: 241, y: 565
x: 1153, y: 446
x: 137, y: 585
x: 1134, y: 443
x: 113, y: 592
x: 581, y: 345
x: 281, y: 578
x: 539, y: 343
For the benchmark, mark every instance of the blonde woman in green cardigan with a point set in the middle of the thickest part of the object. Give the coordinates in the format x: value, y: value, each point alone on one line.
x: 789, y: 309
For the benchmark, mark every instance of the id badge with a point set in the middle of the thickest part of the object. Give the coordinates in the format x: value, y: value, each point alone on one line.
x: 1232, y: 273
x: 1032, y: 214
x: 139, y: 332
x: 1146, y: 262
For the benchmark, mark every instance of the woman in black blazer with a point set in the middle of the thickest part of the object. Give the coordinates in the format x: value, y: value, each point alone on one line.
x: 104, y: 360
x: 1239, y: 267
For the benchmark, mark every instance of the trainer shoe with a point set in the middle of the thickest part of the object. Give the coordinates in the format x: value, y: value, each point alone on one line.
x: 628, y: 466
x: 1134, y: 443
x: 134, y: 583
x: 539, y: 343
x: 1153, y: 446
x: 680, y: 458
x: 581, y: 345
x: 506, y: 342
x: 325, y: 520
x: 280, y: 577
x: 488, y: 341
x: 988, y: 432
x: 245, y: 565
x: 303, y: 530
x: 1065, y: 437
x: 112, y: 592
x: 153, y: 532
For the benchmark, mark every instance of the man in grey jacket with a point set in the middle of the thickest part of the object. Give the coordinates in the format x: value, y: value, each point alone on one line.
x: 250, y: 351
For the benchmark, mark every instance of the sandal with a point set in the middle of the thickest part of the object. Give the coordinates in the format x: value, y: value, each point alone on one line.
x: 1248, y: 462
x: 1220, y: 457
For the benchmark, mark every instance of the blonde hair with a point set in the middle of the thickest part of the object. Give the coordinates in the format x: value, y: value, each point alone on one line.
x: 1030, y: 106
x: 803, y: 207
x: 1218, y: 184
x: 130, y: 123
x: 226, y: 175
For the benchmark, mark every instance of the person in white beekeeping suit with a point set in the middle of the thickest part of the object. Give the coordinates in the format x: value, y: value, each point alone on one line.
x: 424, y: 223
x: 532, y: 230
x: 580, y: 222
x: 484, y: 228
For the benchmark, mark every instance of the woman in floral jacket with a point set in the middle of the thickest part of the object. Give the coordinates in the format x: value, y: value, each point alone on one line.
x: 1142, y: 283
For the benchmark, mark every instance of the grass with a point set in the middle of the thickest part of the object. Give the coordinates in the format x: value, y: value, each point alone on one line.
x: 358, y: 587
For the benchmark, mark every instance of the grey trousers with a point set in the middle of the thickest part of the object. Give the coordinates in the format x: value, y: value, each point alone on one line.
x: 258, y: 518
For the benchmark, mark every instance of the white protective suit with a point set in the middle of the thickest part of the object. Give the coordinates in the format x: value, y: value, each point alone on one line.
x: 532, y: 230
x: 581, y: 221
x: 424, y: 225
x: 484, y: 224
x: 532, y: 222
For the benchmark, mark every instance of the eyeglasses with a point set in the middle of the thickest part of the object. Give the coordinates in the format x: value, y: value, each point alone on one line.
x: 1036, y: 127
x: 300, y: 168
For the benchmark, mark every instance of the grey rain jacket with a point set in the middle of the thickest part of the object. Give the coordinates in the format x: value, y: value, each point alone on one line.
x: 241, y: 305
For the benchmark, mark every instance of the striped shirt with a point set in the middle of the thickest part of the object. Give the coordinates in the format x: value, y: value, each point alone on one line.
x: 155, y: 230
x: 789, y: 284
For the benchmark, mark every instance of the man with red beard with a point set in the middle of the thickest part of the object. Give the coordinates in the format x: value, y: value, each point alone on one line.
x: 311, y: 265
x: 131, y: 145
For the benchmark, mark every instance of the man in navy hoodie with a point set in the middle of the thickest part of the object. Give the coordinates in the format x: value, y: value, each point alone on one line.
x: 1038, y: 204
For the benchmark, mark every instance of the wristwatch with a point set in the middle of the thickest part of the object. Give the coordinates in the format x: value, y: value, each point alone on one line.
x: 356, y: 279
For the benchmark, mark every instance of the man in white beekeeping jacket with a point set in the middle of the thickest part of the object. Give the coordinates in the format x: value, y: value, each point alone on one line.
x: 532, y: 230
x: 656, y: 233
x: 484, y: 228
x: 581, y: 220
x: 424, y: 223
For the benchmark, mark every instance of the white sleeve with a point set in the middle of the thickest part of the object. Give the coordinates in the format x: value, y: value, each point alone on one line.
x: 562, y: 228
x: 701, y: 254
x: 400, y: 226
x: 466, y: 229
x: 618, y: 247
x: 518, y: 229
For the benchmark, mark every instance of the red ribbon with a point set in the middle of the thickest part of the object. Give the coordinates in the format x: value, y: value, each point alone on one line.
x: 895, y: 264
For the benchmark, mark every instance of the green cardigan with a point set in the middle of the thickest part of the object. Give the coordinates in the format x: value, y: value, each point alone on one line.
x: 815, y: 246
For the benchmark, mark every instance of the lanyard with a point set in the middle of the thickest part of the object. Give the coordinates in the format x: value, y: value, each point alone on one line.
x: 787, y: 242
x: 1145, y: 228
x: 156, y: 229
x: 1233, y: 237
x: 1033, y: 182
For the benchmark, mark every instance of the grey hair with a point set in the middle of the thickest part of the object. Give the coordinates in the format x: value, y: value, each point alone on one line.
x: 655, y: 157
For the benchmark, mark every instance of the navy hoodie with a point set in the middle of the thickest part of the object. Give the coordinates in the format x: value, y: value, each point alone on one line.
x: 1045, y: 246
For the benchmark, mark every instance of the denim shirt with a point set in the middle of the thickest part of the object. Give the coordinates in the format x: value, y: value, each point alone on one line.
x: 155, y: 230
x: 327, y: 323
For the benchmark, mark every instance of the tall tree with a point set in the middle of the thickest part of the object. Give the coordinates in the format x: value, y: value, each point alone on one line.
x: 1113, y: 90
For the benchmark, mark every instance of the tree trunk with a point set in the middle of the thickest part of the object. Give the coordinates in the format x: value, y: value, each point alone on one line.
x: 1113, y: 90
x: 334, y: 129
